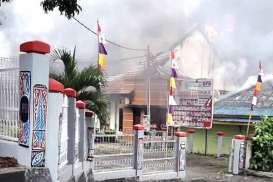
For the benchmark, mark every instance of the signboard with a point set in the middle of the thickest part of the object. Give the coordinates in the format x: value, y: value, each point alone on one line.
x: 195, y: 104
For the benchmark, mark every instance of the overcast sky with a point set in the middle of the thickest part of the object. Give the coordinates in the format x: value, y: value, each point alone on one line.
x: 241, y: 30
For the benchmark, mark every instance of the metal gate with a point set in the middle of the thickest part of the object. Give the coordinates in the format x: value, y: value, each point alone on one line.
x: 114, y: 156
x: 159, y: 154
x: 113, y: 152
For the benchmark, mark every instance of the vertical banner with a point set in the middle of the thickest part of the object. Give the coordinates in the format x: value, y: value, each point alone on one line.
x: 39, y: 125
x: 24, y: 93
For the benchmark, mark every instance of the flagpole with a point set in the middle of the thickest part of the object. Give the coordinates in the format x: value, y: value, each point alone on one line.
x: 98, y: 45
x: 149, y: 86
x: 168, y: 107
x: 248, y: 124
x: 254, y: 98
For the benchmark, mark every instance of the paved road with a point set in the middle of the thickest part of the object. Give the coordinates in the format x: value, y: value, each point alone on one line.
x: 207, y: 168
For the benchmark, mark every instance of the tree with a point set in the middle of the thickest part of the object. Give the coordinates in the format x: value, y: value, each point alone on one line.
x: 262, y: 145
x: 87, y: 82
x: 67, y: 7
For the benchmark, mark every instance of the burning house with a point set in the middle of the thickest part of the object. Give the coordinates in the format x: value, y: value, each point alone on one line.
x: 129, y: 93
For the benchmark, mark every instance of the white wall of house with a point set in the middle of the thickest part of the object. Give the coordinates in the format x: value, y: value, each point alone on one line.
x: 115, y: 103
x: 195, y: 56
x: 114, y: 112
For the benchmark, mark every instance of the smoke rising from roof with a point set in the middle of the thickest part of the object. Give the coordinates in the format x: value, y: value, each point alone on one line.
x: 240, y: 31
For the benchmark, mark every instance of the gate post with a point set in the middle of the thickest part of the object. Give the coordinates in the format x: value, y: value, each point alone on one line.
x: 237, y: 156
x: 190, y: 131
x: 33, y: 91
x: 248, y: 152
x: 181, y: 141
x: 71, y: 117
x: 89, y: 144
x: 220, y: 135
x: 81, y: 106
x: 90, y: 134
x: 55, y: 101
x: 138, y: 148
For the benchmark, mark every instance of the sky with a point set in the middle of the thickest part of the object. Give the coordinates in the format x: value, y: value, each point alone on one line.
x: 240, y: 31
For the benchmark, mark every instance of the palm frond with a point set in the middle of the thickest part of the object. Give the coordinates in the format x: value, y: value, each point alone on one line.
x: 89, y: 77
x: 58, y: 77
x: 80, y: 80
x: 96, y: 102
x: 70, y: 66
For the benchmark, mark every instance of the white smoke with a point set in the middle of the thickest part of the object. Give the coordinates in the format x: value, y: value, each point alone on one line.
x: 240, y: 34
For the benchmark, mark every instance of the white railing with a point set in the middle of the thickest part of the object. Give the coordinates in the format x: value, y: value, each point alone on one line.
x: 113, y: 152
x: 159, y: 155
x: 9, y: 99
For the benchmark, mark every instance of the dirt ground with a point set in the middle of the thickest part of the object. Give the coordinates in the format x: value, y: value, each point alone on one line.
x: 8, y: 162
x: 207, y: 168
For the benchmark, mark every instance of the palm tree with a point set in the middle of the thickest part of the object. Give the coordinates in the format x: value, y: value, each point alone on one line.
x: 87, y: 82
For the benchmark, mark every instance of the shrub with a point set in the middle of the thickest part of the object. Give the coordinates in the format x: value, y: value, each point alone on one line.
x: 262, y: 146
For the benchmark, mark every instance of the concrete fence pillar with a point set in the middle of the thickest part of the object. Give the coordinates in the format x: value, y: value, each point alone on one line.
x: 81, y: 106
x: 55, y: 102
x: 90, y: 134
x: 33, y: 93
x: 190, y: 132
x: 248, y: 152
x: 181, y: 142
x: 89, y: 144
x: 138, y: 148
x: 71, y: 117
x: 237, y: 156
x: 219, y: 144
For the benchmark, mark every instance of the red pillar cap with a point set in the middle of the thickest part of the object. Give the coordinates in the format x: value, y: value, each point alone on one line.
x: 88, y: 113
x: 180, y: 134
x: 191, y: 130
x: 220, y: 133
x: 138, y: 127
x: 70, y: 92
x: 55, y: 86
x: 80, y: 104
x: 240, y: 137
x: 35, y: 47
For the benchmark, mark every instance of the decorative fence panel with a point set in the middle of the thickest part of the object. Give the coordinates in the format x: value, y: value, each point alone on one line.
x: 113, y: 152
x: 159, y: 154
x: 9, y: 98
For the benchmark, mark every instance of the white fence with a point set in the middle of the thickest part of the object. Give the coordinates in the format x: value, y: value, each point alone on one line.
x: 113, y: 152
x: 159, y: 155
x: 9, y: 98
